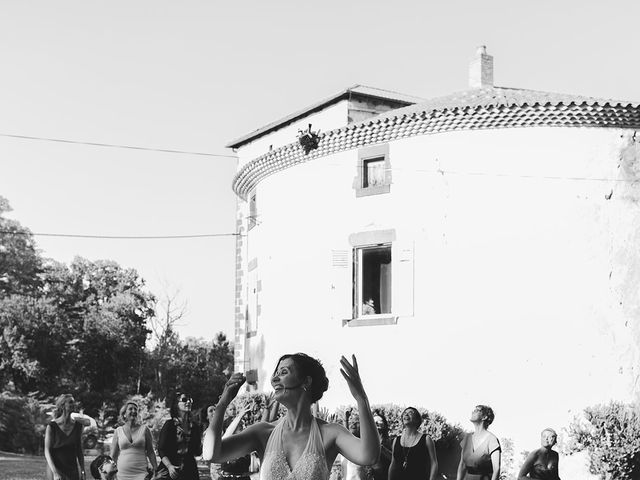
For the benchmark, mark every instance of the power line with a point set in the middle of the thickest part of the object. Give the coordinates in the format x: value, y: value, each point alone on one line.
x: 114, y: 145
x: 123, y: 237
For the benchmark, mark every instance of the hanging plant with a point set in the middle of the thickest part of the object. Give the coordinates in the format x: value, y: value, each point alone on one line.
x: 308, y: 140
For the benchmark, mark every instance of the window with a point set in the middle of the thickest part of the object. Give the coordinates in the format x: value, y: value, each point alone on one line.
x: 373, y: 175
x: 372, y: 280
x: 374, y: 171
x: 253, y: 211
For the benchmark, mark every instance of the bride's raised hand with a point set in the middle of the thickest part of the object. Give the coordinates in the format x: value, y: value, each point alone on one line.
x: 351, y: 374
x: 232, y: 387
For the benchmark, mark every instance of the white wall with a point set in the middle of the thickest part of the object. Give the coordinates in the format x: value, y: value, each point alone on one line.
x: 525, y: 291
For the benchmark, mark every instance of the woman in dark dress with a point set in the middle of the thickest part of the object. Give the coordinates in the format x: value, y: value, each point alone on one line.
x: 481, y: 453
x: 180, y: 442
x: 62, y: 443
x: 542, y: 464
x: 380, y: 469
x: 413, y: 453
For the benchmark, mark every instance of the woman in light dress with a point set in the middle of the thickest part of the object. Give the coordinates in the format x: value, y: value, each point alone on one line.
x: 299, y: 446
x: 481, y: 452
x: 132, y: 445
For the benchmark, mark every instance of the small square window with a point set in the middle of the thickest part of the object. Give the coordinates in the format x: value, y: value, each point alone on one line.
x: 374, y: 171
x: 372, y: 280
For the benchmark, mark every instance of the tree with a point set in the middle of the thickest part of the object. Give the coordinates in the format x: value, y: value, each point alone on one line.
x: 197, y: 366
x: 20, y: 263
x: 107, y: 310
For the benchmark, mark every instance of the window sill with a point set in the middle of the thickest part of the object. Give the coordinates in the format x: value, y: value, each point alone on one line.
x: 377, y: 190
x: 371, y: 320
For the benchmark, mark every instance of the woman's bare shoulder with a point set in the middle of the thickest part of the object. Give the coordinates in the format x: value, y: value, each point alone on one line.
x: 261, y: 428
x: 330, y: 429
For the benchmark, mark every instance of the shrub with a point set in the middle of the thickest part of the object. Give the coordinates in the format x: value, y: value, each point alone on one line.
x: 446, y: 436
x: 22, y: 424
x: 611, y: 435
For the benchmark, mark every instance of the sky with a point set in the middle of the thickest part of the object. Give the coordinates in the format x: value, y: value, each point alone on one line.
x: 194, y: 75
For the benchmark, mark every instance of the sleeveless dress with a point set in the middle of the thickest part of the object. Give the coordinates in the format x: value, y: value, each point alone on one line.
x: 63, y: 451
x: 478, y: 461
x: 312, y: 464
x: 543, y: 471
x: 412, y: 463
x: 132, y: 459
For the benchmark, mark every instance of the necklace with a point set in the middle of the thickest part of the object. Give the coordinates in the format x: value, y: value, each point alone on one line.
x: 406, y: 449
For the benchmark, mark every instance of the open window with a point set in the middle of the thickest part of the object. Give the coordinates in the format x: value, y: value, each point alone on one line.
x: 372, y: 280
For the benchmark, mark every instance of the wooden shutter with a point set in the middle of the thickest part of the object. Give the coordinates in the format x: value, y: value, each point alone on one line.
x: 341, y: 284
x: 402, y: 271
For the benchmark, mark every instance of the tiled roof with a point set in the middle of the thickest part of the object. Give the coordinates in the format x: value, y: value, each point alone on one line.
x: 363, y: 90
x: 483, y: 108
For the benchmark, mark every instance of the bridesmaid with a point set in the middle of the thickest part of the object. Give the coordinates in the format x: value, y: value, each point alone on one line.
x: 180, y: 442
x: 132, y: 445
x: 413, y: 454
x: 62, y: 443
x: 481, y: 453
x: 542, y: 464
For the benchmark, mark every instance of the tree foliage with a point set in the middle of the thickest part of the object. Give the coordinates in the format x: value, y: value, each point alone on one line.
x: 83, y: 328
x: 20, y: 263
x: 611, y: 435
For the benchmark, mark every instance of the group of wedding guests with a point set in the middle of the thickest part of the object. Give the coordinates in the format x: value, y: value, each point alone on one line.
x: 132, y: 452
x: 298, y: 446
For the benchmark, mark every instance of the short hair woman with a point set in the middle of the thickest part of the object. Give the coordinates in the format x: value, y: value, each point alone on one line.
x: 481, y: 453
x: 542, y: 463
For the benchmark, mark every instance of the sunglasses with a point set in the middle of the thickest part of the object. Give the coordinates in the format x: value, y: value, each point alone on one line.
x: 185, y: 399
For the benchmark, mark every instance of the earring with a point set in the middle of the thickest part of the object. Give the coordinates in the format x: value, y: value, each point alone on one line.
x: 304, y: 387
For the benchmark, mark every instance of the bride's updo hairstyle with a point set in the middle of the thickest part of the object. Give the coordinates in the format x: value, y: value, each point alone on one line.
x: 307, y: 366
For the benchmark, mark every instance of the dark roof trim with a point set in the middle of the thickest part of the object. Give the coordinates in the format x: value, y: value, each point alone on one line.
x: 487, y: 108
x: 356, y: 90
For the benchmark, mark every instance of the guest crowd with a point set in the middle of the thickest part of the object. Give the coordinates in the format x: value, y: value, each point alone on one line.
x: 297, y: 446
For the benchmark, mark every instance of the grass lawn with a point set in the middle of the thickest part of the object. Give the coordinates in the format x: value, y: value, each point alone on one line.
x: 26, y: 467
x: 32, y: 467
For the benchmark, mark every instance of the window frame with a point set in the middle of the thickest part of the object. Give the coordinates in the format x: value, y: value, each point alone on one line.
x: 358, y: 279
x: 359, y: 241
x: 367, y: 154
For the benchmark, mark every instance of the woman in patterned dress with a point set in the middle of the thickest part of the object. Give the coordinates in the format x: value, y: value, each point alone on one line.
x: 180, y: 442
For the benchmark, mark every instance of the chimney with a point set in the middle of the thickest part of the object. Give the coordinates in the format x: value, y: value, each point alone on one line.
x: 481, y: 69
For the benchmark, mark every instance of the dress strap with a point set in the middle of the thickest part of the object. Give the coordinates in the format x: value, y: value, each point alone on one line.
x: 315, y: 438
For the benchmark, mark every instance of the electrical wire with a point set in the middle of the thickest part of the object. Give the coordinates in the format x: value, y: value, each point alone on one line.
x: 122, y: 237
x: 114, y: 145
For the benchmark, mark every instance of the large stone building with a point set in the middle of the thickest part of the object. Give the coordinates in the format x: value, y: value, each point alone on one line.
x: 476, y: 248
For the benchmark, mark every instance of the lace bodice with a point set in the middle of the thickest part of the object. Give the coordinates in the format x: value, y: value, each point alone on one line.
x: 312, y: 464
